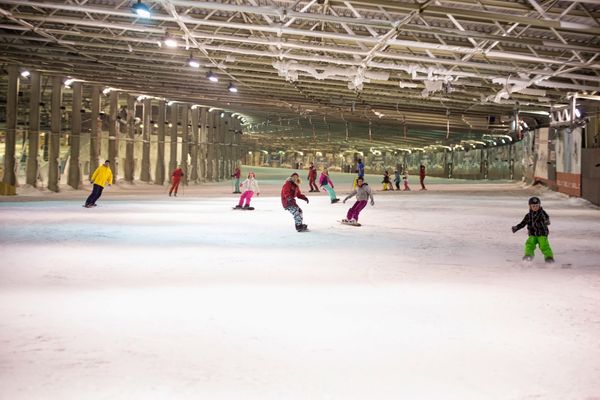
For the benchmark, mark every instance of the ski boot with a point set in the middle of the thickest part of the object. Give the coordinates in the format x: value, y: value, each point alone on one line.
x: 301, y: 227
x: 334, y: 201
x: 238, y: 207
x: 549, y: 260
x: 247, y: 207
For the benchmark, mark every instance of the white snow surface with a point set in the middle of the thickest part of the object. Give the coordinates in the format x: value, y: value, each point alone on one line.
x: 152, y: 297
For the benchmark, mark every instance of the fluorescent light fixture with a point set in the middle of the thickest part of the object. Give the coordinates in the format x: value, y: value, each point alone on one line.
x: 170, y: 42
x: 577, y: 111
x: 141, y: 10
x: 170, y: 103
x: 25, y: 73
x: 232, y: 88
x: 193, y: 63
x: 222, y: 115
x: 106, y: 91
x: 212, y: 77
x: 141, y: 97
x: 69, y: 81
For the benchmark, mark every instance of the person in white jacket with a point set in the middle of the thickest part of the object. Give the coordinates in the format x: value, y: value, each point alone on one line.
x: 249, y: 187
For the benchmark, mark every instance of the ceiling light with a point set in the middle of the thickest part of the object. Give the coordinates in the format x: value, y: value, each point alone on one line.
x: 577, y: 111
x: 141, y: 10
x: 212, y: 77
x: 69, y: 81
x: 232, y: 88
x: 169, y: 41
x: 170, y: 103
x: 222, y: 115
x: 25, y: 73
x: 193, y: 63
x: 106, y: 91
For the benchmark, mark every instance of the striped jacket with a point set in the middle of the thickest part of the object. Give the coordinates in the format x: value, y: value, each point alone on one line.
x: 537, y: 223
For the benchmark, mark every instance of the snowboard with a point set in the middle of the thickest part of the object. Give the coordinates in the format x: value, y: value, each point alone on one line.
x: 95, y: 205
x: 244, y: 208
x: 348, y: 223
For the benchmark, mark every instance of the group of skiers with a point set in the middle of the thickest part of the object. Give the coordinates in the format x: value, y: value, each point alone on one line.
x: 536, y: 220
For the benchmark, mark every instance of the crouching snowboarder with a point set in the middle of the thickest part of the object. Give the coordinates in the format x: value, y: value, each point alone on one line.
x: 362, y: 193
x: 289, y: 192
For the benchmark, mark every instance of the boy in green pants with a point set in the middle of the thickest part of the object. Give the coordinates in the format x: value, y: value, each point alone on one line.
x: 537, y: 222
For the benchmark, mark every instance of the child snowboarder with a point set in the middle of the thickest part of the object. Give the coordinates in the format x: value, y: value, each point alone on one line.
x: 289, y: 192
x: 326, y: 184
x: 362, y: 193
x: 397, y: 179
x: 249, y: 187
x: 387, y: 183
x: 236, y: 175
x: 422, y: 177
x: 537, y: 222
x: 312, y: 177
x: 176, y: 175
x: 101, y: 176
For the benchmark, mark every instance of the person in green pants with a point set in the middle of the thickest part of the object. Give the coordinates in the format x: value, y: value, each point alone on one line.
x: 537, y: 222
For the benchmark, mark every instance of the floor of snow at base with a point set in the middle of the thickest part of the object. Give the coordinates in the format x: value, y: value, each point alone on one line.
x: 151, y: 297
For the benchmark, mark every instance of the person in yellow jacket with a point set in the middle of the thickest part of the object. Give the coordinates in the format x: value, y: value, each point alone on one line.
x: 101, y: 176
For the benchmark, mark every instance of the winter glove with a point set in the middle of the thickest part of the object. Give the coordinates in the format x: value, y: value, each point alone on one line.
x: 305, y: 199
x: 514, y: 229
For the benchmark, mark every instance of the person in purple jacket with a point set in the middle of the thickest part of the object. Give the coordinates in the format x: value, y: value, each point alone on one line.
x: 326, y: 184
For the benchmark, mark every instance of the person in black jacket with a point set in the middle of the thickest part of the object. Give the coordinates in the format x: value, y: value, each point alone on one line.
x: 537, y: 222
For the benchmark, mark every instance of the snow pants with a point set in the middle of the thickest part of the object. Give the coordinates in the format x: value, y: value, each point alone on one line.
x: 397, y: 183
x: 313, y: 185
x: 331, y: 192
x: 174, y: 185
x: 246, y: 196
x: 95, y: 195
x: 542, y: 241
x: 296, y: 213
x: 356, y: 209
x: 422, y: 181
x: 237, y: 185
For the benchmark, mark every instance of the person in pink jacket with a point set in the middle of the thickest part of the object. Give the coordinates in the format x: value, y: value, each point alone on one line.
x: 326, y: 184
x: 249, y: 187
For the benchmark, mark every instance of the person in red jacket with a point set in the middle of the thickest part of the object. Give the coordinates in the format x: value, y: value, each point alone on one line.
x: 175, y: 179
x: 289, y: 192
x: 422, y: 176
x: 312, y: 177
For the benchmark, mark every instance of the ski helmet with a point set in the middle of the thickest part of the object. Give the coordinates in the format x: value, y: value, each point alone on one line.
x: 534, y: 200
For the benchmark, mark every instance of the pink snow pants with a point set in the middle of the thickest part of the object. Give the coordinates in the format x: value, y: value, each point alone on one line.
x: 356, y: 209
x: 246, y: 196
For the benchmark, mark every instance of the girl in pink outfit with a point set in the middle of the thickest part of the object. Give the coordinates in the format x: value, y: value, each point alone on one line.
x: 249, y: 187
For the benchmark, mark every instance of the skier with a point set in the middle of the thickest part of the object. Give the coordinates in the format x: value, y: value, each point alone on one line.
x: 362, y: 193
x: 387, y: 183
x: 312, y: 177
x: 101, y: 176
x: 537, y: 222
x: 289, y: 192
x: 236, y: 174
x: 176, y: 178
x: 326, y: 184
x: 422, y: 176
x: 249, y: 186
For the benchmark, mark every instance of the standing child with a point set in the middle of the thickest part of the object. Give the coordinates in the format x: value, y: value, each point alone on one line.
x: 289, y: 191
x: 405, y: 179
x: 537, y: 222
x: 397, y: 179
x: 312, y: 177
x: 387, y: 183
x: 249, y: 187
x: 101, y: 176
x: 326, y: 184
x: 236, y: 175
x: 362, y: 193
x: 176, y: 178
x: 422, y: 176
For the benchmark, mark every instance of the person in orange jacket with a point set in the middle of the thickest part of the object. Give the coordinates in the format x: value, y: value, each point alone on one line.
x: 176, y: 178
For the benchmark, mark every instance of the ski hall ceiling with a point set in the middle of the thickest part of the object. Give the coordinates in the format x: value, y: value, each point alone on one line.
x: 434, y: 67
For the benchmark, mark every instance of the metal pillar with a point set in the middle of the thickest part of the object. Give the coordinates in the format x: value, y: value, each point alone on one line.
x: 185, y: 148
x: 55, y: 127
x: 10, y: 177
x: 202, y: 156
x: 74, y: 179
x: 147, y: 113
x: 210, y: 146
x: 96, y: 125
x: 130, y: 141
x: 159, y: 176
x: 173, y: 148
x: 33, y: 164
x: 113, y: 132
x: 194, y: 145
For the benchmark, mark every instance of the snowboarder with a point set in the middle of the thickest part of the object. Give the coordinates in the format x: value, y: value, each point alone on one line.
x: 289, y: 192
x: 101, y: 176
x: 326, y: 184
x: 312, y: 177
x: 422, y: 177
x: 175, y: 179
x: 362, y: 193
x: 397, y: 179
x: 236, y: 174
x: 249, y: 186
x: 537, y: 222
x: 360, y: 169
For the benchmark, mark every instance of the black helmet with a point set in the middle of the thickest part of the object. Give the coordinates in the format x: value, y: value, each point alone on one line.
x: 534, y: 200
